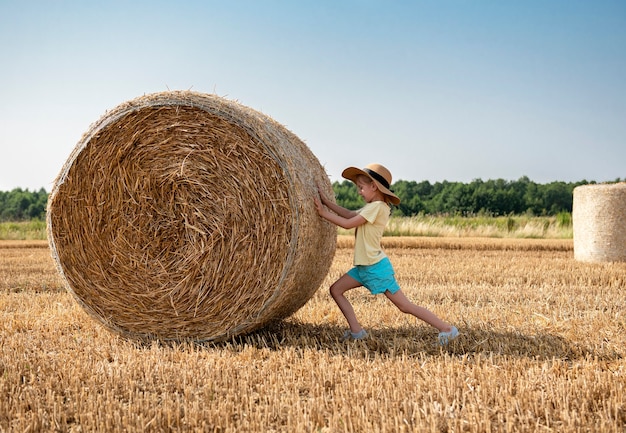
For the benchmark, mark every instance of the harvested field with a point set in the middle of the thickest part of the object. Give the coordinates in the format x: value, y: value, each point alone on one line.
x: 542, y: 349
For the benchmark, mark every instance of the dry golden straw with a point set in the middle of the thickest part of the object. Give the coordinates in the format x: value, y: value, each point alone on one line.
x: 185, y: 216
x: 599, y: 220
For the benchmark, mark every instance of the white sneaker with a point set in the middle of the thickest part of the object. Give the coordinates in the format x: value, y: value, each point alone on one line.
x: 446, y: 337
x: 354, y: 336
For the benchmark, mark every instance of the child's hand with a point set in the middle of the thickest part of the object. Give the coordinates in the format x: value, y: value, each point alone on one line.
x: 323, y: 198
x: 319, y: 206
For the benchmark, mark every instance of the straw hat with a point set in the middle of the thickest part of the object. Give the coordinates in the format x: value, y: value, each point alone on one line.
x: 379, y: 175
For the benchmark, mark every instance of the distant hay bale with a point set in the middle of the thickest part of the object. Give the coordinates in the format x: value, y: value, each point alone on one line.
x: 599, y: 219
x: 185, y: 216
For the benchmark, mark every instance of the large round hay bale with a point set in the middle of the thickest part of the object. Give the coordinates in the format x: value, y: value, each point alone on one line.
x: 185, y: 216
x: 599, y: 219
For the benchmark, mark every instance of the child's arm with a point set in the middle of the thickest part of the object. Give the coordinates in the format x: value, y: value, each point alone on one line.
x: 346, y: 222
x: 339, y: 210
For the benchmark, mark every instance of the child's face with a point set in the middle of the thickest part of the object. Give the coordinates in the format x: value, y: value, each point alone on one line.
x: 367, y: 189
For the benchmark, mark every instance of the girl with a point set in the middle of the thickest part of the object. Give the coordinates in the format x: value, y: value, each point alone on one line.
x: 372, y: 268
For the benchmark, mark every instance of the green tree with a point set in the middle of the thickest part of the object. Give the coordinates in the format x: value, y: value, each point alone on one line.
x: 411, y: 202
x: 347, y: 195
x: 21, y: 205
x: 558, y: 197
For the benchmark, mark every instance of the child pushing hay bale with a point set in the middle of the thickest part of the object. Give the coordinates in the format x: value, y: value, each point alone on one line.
x: 185, y: 216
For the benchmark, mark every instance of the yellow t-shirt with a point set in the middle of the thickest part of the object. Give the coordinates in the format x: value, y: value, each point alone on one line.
x: 367, y: 250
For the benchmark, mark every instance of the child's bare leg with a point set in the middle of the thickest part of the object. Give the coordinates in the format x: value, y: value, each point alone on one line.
x: 337, y: 290
x: 406, y: 306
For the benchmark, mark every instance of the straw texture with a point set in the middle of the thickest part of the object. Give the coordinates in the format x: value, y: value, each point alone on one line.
x: 186, y: 216
x: 599, y: 218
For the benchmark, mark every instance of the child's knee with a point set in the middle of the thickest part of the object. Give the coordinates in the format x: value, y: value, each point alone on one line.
x: 405, y: 307
x: 336, y: 291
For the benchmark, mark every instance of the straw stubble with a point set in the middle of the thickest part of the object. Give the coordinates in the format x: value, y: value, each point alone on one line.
x: 542, y: 349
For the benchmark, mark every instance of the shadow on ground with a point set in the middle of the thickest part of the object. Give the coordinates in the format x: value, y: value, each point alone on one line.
x: 411, y: 341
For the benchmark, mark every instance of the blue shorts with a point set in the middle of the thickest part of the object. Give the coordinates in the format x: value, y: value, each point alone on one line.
x: 377, y: 278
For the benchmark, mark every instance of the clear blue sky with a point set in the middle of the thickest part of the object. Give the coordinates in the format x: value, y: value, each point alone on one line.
x: 435, y: 90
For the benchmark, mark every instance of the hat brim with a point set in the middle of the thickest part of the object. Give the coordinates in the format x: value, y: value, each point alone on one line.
x: 351, y: 173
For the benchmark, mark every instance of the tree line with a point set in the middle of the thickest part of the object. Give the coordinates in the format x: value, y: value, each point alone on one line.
x: 490, y: 197
x: 23, y: 205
